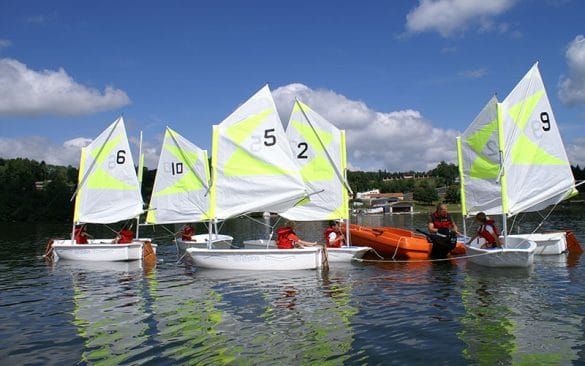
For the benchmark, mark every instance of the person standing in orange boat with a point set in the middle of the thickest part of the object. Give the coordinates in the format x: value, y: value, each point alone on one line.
x: 441, y: 222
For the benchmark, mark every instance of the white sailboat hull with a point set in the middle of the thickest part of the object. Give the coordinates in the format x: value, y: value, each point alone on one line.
x: 218, y: 241
x: 99, y: 250
x: 547, y: 243
x: 518, y: 253
x: 257, y: 259
x: 344, y: 254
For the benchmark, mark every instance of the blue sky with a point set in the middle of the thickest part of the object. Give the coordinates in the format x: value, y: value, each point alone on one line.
x: 403, y: 78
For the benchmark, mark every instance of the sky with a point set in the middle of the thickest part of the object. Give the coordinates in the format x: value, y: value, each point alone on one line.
x: 402, y: 78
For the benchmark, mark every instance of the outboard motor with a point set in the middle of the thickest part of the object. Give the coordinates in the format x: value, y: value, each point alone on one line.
x: 443, y: 242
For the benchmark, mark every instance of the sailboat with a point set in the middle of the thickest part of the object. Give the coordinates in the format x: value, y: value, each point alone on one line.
x: 253, y: 171
x: 319, y: 150
x: 512, y: 161
x: 181, y: 191
x: 108, y: 192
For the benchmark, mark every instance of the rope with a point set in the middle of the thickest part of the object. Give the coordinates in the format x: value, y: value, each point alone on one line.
x: 421, y: 260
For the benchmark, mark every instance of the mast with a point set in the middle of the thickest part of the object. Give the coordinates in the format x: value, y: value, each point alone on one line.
x: 140, y: 169
x: 502, y: 173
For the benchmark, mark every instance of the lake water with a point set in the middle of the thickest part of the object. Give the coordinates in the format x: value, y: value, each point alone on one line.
x: 372, y: 313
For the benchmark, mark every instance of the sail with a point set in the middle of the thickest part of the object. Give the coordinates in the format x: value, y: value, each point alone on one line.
x: 319, y: 150
x: 253, y: 168
x: 108, y: 189
x: 181, y: 186
x: 479, y: 163
x: 538, y: 173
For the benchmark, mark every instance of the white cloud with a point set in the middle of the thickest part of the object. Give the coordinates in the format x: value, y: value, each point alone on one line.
x: 473, y: 74
x: 26, y: 92
x: 451, y: 16
x: 394, y: 141
x: 42, y: 149
x: 572, y: 88
x: 576, y: 152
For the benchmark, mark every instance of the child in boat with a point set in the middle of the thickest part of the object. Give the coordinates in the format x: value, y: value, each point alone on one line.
x: 488, y: 231
x: 333, y: 235
x: 188, y: 232
x: 287, y: 239
x: 125, y: 235
x: 81, y: 235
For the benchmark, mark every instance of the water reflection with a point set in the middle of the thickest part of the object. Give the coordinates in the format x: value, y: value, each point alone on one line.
x: 109, y: 310
x: 303, y: 315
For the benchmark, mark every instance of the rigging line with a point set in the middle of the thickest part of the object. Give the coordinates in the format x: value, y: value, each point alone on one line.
x: 337, y: 172
x: 86, y: 175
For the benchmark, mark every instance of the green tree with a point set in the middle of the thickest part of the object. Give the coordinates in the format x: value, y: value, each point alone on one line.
x: 425, y: 192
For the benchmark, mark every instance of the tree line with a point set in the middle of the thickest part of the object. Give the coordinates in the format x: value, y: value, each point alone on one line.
x: 36, y: 191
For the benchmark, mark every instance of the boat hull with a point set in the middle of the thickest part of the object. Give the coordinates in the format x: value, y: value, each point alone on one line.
x: 99, y: 250
x: 546, y: 243
x: 201, y: 240
x: 257, y: 259
x: 518, y: 253
x: 343, y: 254
x: 391, y: 242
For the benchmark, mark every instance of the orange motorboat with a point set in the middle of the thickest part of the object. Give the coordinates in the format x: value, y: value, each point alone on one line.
x: 395, y: 243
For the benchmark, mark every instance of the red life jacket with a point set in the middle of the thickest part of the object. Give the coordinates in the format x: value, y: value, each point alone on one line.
x: 126, y: 236
x: 441, y: 222
x: 80, y: 239
x: 484, y: 233
x: 330, y: 230
x: 283, y: 240
x: 187, y: 233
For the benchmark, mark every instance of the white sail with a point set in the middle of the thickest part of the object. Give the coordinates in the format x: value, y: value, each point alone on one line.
x: 108, y: 189
x: 253, y: 169
x: 319, y: 150
x: 538, y: 173
x: 479, y: 163
x: 181, y: 187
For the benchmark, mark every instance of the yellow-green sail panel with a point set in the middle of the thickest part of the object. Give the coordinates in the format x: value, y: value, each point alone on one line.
x: 528, y: 153
x: 479, y: 140
x: 102, y: 180
x: 522, y: 111
x: 243, y: 129
x: 482, y: 168
x: 319, y: 168
x: 241, y: 163
x: 100, y: 154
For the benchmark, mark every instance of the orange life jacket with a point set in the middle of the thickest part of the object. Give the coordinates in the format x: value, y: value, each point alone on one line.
x: 126, y: 236
x: 484, y: 233
x: 80, y: 239
x: 284, y: 240
x: 187, y: 233
x: 330, y: 230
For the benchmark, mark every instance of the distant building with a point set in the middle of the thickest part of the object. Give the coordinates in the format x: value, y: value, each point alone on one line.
x: 40, y: 185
